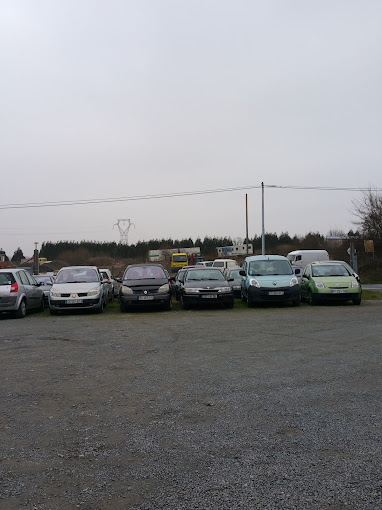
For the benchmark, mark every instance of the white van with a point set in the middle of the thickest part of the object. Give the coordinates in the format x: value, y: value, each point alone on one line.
x: 223, y: 264
x: 301, y: 258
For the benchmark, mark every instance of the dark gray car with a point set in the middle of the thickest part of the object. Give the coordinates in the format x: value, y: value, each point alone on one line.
x: 19, y: 292
x: 234, y: 280
x: 46, y: 282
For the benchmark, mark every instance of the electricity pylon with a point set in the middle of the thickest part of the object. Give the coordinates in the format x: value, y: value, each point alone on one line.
x: 124, y: 231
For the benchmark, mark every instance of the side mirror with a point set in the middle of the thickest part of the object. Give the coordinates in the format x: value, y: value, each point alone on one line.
x: 242, y: 273
x: 119, y: 280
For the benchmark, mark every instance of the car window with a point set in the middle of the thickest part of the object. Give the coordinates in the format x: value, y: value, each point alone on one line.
x: 269, y: 267
x: 6, y: 279
x: 77, y: 275
x: 144, y: 273
x: 234, y: 273
x: 23, y: 278
x: 218, y: 264
x: 210, y: 274
x: 31, y: 279
x: 46, y: 280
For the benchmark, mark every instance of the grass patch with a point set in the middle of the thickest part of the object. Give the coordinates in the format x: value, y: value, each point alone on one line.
x: 371, y: 295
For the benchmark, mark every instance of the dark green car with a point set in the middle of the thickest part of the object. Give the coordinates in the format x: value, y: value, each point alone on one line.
x: 329, y: 282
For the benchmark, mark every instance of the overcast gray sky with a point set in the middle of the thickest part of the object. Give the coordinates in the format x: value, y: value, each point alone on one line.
x: 121, y: 98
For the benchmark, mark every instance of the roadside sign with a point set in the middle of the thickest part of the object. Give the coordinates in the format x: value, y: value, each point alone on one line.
x: 369, y: 246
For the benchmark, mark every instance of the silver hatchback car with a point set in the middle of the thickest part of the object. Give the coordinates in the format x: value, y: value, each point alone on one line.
x: 78, y: 287
x: 19, y: 292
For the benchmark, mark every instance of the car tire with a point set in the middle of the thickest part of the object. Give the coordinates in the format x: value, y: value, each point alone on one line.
x: 243, y: 298
x: 250, y: 303
x: 311, y: 298
x: 21, y: 312
x: 167, y: 306
x: 229, y: 305
x: 357, y: 300
x: 183, y: 304
x: 42, y: 305
x: 123, y: 307
x: 296, y: 302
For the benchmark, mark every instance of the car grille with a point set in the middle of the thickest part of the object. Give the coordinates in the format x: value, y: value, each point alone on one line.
x: 80, y: 294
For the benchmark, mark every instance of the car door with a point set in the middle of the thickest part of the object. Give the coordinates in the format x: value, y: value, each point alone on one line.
x: 304, y: 283
x: 29, y: 289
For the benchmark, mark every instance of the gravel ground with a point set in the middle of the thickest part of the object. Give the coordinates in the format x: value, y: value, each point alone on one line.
x: 270, y: 408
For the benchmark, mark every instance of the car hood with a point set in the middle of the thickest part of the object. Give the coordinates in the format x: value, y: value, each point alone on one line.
x: 274, y: 281
x: 335, y: 281
x: 69, y: 288
x: 203, y: 284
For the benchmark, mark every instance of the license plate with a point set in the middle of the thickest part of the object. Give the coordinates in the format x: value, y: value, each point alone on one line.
x: 73, y: 301
x: 276, y: 293
x: 338, y: 291
x: 145, y: 298
x: 209, y: 296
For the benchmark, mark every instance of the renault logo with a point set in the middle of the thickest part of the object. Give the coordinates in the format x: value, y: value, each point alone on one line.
x: 145, y: 292
x: 274, y: 283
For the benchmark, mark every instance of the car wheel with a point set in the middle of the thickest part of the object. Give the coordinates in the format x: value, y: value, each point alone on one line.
x: 296, y: 302
x: 21, y: 312
x: 243, y: 298
x: 42, y: 305
x: 183, y: 304
x: 229, y: 305
x: 167, y: 306
x: 123, y: 307
x: 250, y: 303
x: 357, y: 300
x: 311, y: 298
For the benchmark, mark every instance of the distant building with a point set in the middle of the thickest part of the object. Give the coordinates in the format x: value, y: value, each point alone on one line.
x: 235, y: 250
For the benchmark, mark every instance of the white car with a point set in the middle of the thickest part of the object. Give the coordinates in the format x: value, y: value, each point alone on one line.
x: 78, y: 287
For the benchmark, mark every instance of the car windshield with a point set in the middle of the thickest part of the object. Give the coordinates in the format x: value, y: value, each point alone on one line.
x: 179, y: 258
x: 269, y: 267
x: 144, y: 273
x: 218, y: 264
x: 329, y: 270
x: 210, y: 274
x: 80, y: 275
x: 6, y: 279
x: 234, y: 273
x: 43, y: 279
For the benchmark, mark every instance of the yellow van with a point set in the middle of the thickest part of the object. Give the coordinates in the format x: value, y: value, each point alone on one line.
x: 178, y: 260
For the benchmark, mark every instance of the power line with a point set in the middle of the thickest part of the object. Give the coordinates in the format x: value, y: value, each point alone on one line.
x: 66, y: 203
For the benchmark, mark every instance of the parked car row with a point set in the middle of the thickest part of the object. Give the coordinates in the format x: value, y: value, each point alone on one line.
x: 262, y: 279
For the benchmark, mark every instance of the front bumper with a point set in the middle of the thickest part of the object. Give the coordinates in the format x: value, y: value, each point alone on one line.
x: 273, y: 295
x: 326, y: 295
x: 63, y: 304
x: 208, y: 298
x: 145, y: 300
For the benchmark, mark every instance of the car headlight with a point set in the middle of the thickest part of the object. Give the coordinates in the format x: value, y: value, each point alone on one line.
x: 54, y: 293
x: 254, y: 283
x: 319, y: 285
x: 293, y: 282
x: 190, y: 291
x: 126, y: 290
x: 354, y: 284
x: 93, y: 292
x: 225, y: 289
x: 164, y: 288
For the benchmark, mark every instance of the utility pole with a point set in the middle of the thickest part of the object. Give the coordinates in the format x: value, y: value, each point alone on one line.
x: 124, y: 231
x: 246, y: 220
x: 262, y: 221
x: 36, y: 266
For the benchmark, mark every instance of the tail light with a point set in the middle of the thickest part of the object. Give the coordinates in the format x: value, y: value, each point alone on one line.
x: 14, y: 287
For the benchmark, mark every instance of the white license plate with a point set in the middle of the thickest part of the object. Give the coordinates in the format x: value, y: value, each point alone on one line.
x: 338, y: 291
x: 145, y: 298
x: 209, y: 296
x: 276, y: 293
x: 73, y: 301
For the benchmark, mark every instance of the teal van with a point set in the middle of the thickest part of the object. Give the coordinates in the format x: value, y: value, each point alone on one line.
x: 269, y: 279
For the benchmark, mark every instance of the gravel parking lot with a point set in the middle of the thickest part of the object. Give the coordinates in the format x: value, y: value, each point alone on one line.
x: 269, y: 408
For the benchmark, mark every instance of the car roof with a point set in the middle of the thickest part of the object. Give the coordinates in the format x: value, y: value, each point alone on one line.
x: 264, y: 257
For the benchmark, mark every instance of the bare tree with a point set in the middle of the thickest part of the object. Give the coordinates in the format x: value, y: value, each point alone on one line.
x: 368, y: 210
